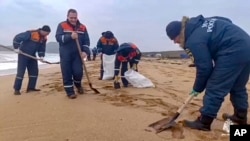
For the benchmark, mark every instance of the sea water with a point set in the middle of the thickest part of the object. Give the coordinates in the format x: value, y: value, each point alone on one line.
x: 8, y: 61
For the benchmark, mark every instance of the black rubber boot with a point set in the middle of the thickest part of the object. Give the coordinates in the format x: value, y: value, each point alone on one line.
x: 16, y: 92
x: 72, y: 96
x: 201, y: 123
x: 32, y: 90
x: 117, y: 85
x: 239, y: 117
x: 80, y: 90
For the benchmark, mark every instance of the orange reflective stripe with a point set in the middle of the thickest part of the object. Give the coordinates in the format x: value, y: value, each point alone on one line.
x: 35, y: 36
x: 82, y: 28
x: 110, y: 42
x: 113, y: 41
x: 103, y: 40
x: 66, y: 27
x: 106, y: 41
x: 121, y: 58
x: 132, y: 55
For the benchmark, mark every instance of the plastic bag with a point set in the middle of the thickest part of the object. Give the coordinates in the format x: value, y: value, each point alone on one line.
x: 108, y: 66
x: 137, y: 80
x: 226, y: 127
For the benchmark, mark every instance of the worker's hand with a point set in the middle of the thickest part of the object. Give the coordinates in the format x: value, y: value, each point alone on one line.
x: 74, y: 35
x: 134, y: 67
x: 117, y: 83
x: 116, y: 78
x: 194, y: 93
x: 41, y: 59
x: 16, y: 50
x: 83, y: 55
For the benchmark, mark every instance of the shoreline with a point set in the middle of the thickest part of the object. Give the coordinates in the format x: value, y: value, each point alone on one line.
x: 13, y: 71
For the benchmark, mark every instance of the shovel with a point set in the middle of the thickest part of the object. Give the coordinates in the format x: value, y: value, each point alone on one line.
x: 30, y: 56
x: 167, y: 123
x: 85, y: 69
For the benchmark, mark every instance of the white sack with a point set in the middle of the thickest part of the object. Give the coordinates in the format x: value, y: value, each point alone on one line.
x: 108, y: 66
x: 137, y: 79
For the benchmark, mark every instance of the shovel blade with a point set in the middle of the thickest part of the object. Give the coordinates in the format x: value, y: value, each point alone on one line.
x: 159, y: 128
x: 164, y: 123
x: 159, y: 122
x: 94, y: 89
x: 165, y: 127
x: 161, y: 125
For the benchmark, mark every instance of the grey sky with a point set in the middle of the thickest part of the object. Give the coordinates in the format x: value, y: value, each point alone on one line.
x: 140, y: 21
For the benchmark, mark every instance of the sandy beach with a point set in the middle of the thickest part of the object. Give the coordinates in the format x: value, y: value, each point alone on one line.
x: 113, y: 115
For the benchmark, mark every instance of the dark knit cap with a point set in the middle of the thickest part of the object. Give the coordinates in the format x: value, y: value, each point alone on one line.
x: 173, y: 29
x: 46, y: 28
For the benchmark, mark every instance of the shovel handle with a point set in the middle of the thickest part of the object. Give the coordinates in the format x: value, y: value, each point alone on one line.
x: 84, y: 66
x: 20, y: 52
x: 185, y: 103
x: 27, y: 55
x: 83, y: 63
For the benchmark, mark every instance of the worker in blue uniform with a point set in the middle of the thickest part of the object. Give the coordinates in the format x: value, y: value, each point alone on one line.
x: 29, y: 42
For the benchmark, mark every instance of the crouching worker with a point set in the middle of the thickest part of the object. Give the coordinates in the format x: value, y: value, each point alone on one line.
x: 107, y: 45
x: 127, y: 53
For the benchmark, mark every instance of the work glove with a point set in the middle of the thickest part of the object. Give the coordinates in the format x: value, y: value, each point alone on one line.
x: 16, y: 50
x: 41, y: 59
x: 117, y: 83
x: 74, y: 35
x: 194, y: 93
x: 134, y: 67
x: 116, y: 78
x: 83, y: 55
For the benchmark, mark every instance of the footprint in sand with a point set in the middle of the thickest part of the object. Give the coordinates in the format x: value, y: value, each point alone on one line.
x: 178, y: 131
x: 45, y: 85
x: 156, y: 105
x: 108, y: 87
x: 56, y: 86
x: 209, y: 136
x: 192, y: 104
x: 194, y: 112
